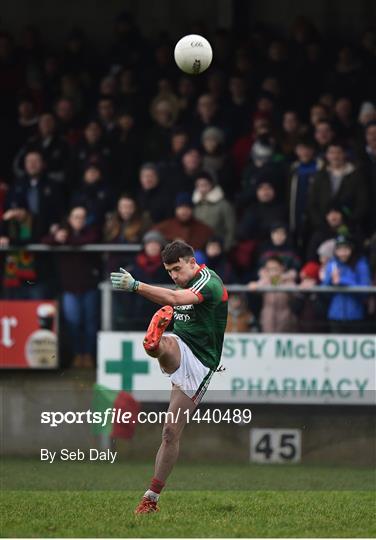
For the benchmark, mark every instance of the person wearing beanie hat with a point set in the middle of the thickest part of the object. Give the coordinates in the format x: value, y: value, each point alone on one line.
x: 147, y: 266
x: 325, y: 252
x: 346, y: 311
x: 214, y: 133
x: 343, y: 240
x: 183, y: 199
x: 211, y: 207
x: 154, y: 236
x: 184, y: 225
x: 310, y: 271
x: 367, y: 113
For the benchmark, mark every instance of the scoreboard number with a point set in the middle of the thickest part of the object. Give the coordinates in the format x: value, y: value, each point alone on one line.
x: 268, y: 445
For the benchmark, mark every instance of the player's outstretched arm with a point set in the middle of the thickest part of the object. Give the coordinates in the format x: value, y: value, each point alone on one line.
x: 123, y: 280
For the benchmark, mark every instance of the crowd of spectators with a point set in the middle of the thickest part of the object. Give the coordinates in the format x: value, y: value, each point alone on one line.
x: 258, y: 163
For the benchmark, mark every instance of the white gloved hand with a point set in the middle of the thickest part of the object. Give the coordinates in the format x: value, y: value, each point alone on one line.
x: 124, y: 280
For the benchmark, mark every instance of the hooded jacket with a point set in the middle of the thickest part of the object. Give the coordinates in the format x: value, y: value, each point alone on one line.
x: 346, y: 306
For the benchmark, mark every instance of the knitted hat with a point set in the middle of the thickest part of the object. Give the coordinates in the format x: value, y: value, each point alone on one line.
x: 278, y: 225
x: 367, y: 107
x: 183, y: 199
x: 326, y: 249
x: 154, y: 236
x: 213, y: 133
x: 343, y: 240
x: 310, y: 270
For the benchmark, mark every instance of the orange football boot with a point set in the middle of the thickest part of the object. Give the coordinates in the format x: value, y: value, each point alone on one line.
x: 147, y: 506
x: 161, y: 319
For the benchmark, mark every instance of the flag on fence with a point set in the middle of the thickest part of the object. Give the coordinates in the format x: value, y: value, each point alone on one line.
x: 104, y: 399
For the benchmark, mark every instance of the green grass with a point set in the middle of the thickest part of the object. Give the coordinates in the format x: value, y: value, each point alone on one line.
x: 194, y: 513
x: 200, y: 501
x: 32, y: 474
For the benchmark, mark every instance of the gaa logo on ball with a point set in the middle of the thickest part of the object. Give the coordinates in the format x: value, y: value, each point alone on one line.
x: 193, y: 54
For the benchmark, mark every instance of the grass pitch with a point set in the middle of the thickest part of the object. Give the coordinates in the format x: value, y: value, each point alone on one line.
x: 201, y: 501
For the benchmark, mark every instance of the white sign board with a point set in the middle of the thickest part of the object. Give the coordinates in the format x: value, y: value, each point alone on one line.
x: 275, y: 445
x: 260, y: 368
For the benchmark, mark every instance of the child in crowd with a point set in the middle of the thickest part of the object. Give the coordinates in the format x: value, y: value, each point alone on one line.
x: 276, y: 313
x: 346, y: 269
x: 280, y: 246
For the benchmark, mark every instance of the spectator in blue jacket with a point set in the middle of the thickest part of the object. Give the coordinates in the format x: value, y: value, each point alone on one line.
x: 346, y: 269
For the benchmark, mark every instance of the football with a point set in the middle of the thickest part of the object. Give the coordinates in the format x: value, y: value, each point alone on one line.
x: 193, y: 54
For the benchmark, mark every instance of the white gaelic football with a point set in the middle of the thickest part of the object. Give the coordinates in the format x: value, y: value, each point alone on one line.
x: 193, y: 54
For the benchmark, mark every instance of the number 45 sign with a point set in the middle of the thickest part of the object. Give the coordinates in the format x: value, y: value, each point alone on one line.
x: 275, y: 445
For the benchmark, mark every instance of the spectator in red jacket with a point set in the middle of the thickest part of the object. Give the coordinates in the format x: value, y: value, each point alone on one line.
x: 184, y: 226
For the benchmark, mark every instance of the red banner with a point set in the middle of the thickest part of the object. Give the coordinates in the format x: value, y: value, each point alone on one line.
x: 28, y: 334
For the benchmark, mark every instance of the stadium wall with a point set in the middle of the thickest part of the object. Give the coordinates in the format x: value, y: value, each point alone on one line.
x: 330, y: 434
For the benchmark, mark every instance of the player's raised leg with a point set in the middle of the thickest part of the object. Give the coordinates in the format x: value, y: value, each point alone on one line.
x: 169, y: 449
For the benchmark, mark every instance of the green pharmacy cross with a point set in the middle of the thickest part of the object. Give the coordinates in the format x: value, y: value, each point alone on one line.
x: 127, y: 366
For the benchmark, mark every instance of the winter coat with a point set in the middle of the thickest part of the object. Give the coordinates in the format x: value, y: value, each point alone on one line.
x: 276, y: 313
x: 346, y: 306
x: 79, y: 272
x: 51, y: 205
x: 300, y: 180
x: 351, y: 195
x: 194, y: 232
x: 55, y: 152
x: 217, y: 212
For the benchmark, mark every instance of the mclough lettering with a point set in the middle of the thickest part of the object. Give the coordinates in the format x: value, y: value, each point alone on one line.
x: 328, y: 349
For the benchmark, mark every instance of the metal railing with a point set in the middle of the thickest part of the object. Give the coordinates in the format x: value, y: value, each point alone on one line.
x: 107, y: 290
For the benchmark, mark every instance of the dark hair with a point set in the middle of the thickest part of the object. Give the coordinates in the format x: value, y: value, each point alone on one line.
x: 177, y: 250
x: 337, y: 144
x: 306, y: 141
x: 275, y: 258
x: 325, y: 121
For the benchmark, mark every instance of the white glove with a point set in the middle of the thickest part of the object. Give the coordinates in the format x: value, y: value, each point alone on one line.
x: 124, y: 280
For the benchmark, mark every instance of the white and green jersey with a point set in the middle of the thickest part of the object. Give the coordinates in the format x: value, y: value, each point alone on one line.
x: 202, y: 326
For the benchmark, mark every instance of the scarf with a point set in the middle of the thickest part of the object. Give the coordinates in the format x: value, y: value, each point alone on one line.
x: 19, y: 265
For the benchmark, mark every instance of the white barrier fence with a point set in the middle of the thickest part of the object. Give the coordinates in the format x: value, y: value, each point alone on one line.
x: 260, y: 368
